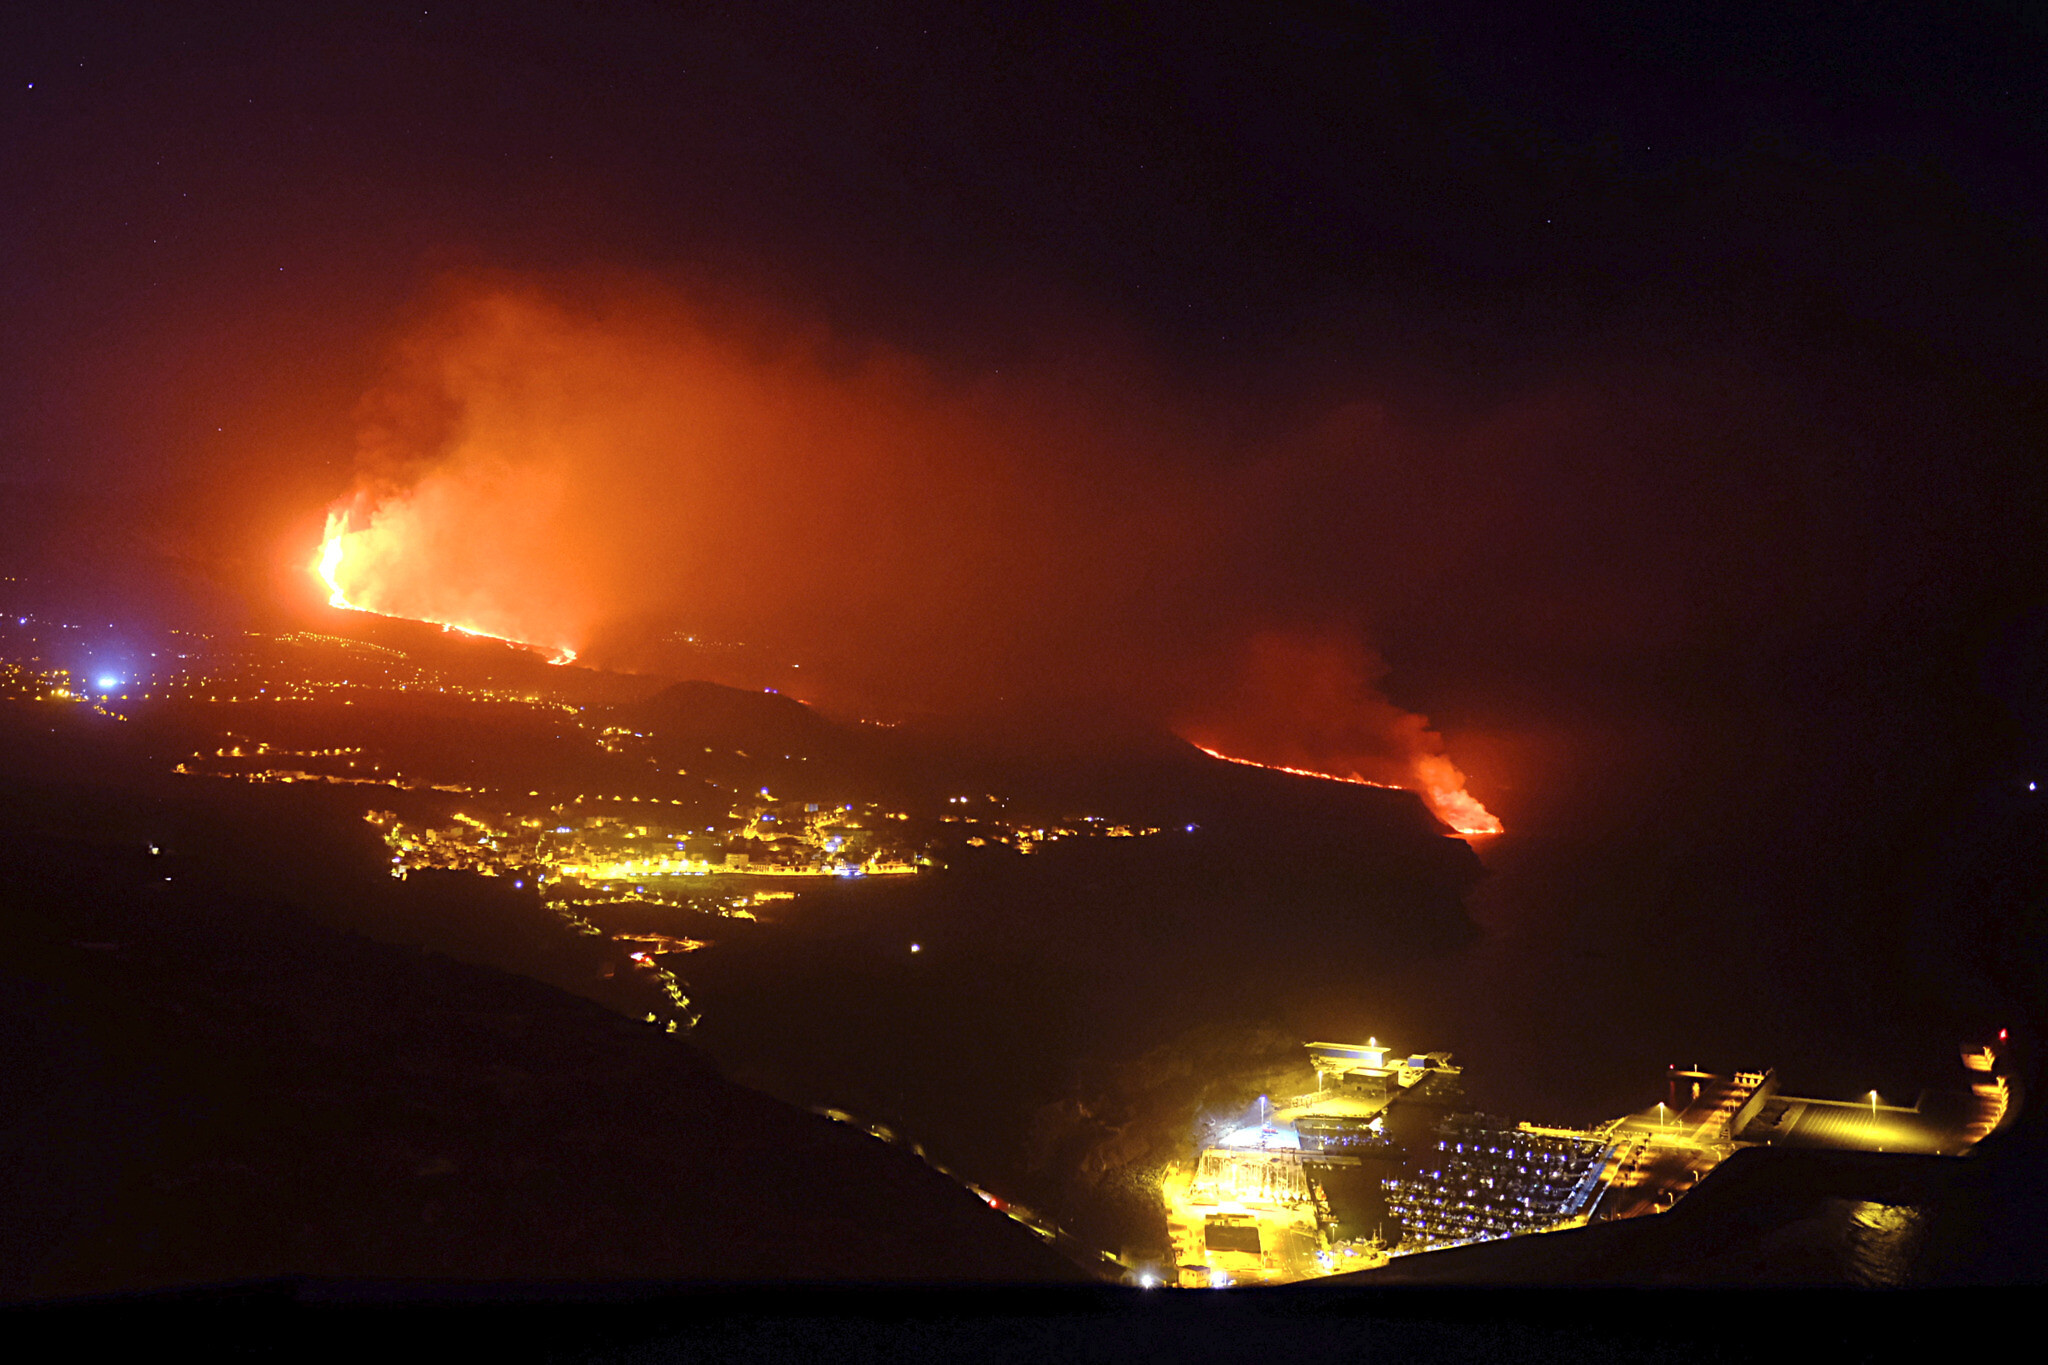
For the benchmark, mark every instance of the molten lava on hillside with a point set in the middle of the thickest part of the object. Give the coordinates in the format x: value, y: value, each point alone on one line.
x: 1441, y: 785
x: 1308, y: 702
x: 353, y: 564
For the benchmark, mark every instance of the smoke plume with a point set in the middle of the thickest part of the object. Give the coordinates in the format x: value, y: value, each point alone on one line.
x: 632, y: 473
x: 1310, y: 701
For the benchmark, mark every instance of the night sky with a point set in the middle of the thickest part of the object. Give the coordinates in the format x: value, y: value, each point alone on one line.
x: 1650, y: 396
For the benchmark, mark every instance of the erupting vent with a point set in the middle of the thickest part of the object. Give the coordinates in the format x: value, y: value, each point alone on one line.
x: 338, y: 558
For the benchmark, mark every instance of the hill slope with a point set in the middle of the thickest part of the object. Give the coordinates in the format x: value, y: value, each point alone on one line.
x: 205, y: 1087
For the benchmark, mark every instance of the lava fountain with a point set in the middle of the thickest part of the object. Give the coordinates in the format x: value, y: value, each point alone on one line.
x: 356, y: 564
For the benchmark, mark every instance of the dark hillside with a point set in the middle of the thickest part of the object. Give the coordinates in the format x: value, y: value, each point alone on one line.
x: 206, y: 1085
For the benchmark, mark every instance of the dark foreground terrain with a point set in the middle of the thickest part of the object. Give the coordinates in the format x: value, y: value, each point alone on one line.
x: 225, y: 1117
x: 208, y: 1087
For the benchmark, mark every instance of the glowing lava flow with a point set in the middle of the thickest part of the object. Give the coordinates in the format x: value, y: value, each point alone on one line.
x: 328, y: 567
x: 1452, y: 803
x: 1299, y: 772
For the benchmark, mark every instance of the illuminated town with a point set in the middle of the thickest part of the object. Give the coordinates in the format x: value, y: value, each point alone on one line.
x: 645, y: 831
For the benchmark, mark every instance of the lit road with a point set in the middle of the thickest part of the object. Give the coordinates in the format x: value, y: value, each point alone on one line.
x: 1673, y: 1151
x: 1662, y: 1165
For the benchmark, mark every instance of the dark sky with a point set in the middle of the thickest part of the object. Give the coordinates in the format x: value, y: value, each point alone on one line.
x: 1625, y: 387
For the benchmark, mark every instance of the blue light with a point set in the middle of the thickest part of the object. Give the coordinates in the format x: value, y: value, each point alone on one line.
x: 108, y: 681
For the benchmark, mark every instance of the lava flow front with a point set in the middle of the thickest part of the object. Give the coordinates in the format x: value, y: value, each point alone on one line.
x: 1441, y: 785
x: 340, y: 561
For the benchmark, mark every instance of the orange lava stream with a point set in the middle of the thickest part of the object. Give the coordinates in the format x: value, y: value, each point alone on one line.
x: 328, y: 567
x: 1299, y: 772
x: 1453, y: 805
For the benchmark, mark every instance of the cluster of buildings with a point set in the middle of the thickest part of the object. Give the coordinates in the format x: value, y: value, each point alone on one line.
x: 1253, y: 1206
x: 763, y: 838
x: 632, y: 842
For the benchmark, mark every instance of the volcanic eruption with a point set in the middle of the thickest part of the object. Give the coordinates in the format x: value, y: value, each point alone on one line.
x: 357, y: 563
x: 1308, y: 703
x: 546, y: 466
